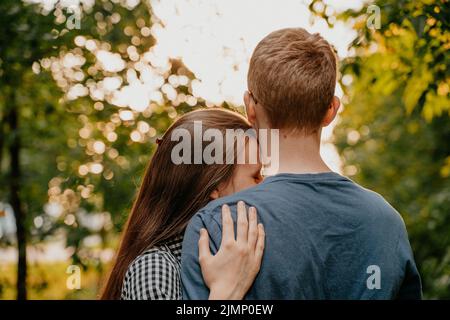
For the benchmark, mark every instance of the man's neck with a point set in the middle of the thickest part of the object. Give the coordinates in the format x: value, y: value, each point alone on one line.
x: 300, y: 154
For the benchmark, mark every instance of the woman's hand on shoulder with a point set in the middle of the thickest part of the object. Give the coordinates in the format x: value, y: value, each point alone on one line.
x: 230, y: 273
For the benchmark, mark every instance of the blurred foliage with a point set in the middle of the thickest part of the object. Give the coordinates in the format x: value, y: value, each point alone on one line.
x: 25, y: 37
x: 112, y: 140
x: 394, y: 131
x: 66, y: 71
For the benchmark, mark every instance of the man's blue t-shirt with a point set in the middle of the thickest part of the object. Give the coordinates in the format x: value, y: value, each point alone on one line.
x: 326, y: 238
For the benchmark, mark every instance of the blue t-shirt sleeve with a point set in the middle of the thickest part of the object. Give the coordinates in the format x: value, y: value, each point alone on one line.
x: 193, y: 285
x: 411, y: 286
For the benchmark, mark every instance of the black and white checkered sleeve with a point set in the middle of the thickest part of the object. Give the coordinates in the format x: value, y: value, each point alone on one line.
x: 152, y: 276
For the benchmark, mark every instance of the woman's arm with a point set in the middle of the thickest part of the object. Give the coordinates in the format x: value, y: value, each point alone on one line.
x: 230, y: 273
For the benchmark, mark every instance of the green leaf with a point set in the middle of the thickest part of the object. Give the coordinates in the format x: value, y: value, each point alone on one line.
x: 415, y: 87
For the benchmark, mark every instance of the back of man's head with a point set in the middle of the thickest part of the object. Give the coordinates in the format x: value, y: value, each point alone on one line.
x: 292, y: 75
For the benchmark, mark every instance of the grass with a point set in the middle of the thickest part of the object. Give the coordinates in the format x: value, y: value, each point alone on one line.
x: 48, y: 281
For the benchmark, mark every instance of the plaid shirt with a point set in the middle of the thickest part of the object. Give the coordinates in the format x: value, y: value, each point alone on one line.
x: 155, y: 274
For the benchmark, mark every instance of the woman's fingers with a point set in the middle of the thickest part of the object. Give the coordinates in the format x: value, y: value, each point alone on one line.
x: 242, y: 222
x: 247, y: 228
x: 260, y: 244
x: 252, y: 227
x: 227, y: 224
x: 203, y: 246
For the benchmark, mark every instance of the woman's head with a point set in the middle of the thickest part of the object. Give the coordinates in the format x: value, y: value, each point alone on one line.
x: 170, y: 194
x: 199, y: 180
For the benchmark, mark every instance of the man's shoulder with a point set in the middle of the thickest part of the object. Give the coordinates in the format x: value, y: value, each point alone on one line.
x: 210, y: 216
x: 214, y: 208
x: 379, y: 209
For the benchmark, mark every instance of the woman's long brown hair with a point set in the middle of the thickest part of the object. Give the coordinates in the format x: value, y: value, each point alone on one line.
x: 170, y: 194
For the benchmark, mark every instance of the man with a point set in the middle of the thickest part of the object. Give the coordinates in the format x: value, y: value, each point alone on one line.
x: 326, y: 236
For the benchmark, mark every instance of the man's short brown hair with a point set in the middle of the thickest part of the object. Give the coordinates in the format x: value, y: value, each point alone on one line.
x: 292, y: 75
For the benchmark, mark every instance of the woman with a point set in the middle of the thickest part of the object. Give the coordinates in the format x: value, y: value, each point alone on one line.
x: 147, y: 265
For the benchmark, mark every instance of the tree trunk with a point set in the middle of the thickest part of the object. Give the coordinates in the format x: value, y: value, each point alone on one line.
x: 2, y: 139
x: 15, y: 185
x: 2, y: 135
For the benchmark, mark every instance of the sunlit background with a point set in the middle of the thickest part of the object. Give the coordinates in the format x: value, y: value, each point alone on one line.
x: 102, y: 79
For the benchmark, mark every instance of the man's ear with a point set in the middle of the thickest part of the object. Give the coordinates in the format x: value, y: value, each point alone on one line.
x: 250, y: 108
x: 331, y: 112
x: 215, y: 194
